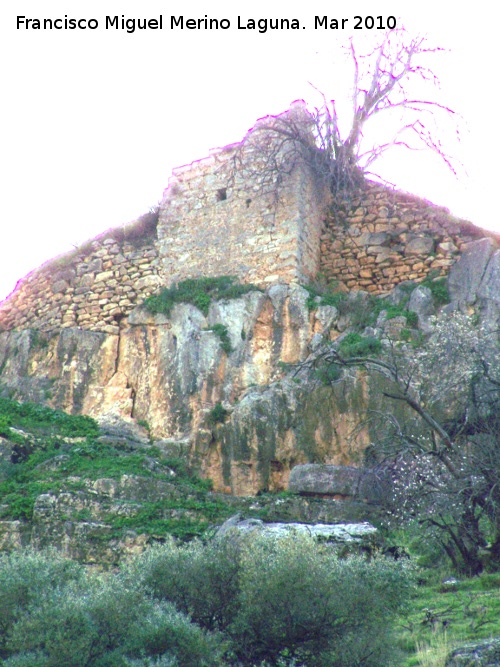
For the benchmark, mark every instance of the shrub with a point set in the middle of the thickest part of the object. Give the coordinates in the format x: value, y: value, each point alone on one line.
x: 79, y: 626
x: 439, y: 289
x: 198, y: 291
x: 336, y: 299
x: 328, y: 373
x: 217, y: 414
x: 29, y: 659
x: 282, y: 597
x: 5, y: 426
x: 25, y: 578
x: 41, y: 418
x: 221, y: 331
x: 169, y: 635
x: 355, y: 345
x: 411, y: 318
x: 296, y: 595
x: 54, y: 613
x: 201, y: 580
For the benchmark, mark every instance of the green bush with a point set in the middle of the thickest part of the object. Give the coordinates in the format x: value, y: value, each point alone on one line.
x: 198, y: 291
x: 42, y: 419
x: 201, y: 580
x: 168, y: 634
x: 217, y: 414
x: 269, y: 601
x: 82, y: 625
x: 296, y: 595
x: 326, y: 298
x: 158, y: 661
x: 221, y: 331
x: 285, y: 596
x: 29, y: 659
x: 26, y: 577
x: 5, y: 423
x: 328, y: 373
x: 95, y: 620
x: 439, y: 289
x: 411, y: 318
x: 355, y: 345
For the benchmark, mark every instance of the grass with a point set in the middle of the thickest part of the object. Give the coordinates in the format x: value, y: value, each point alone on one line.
x: 436, y: 653
x: 41, y: 420
x: 200, y: 292
x: 51, y: 456
x: 325, y: 298
x: 442, y: 617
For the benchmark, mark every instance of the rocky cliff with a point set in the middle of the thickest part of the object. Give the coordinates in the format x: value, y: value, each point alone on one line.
x: 227, y: 388
x: 173, y: 373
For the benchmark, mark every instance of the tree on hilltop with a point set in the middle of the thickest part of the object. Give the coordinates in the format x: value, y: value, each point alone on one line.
x: 383, y: 80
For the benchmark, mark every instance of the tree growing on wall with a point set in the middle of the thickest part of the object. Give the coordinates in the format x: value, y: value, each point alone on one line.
x: 383, y: 81
x: 443, y: 459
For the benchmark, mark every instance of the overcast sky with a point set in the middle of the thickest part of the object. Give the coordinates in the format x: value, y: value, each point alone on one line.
x: 93, y: 121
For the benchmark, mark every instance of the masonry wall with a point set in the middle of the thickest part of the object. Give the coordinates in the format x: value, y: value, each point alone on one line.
x: 382, y: 237
x: 219, y: 217
x: 90, y: 289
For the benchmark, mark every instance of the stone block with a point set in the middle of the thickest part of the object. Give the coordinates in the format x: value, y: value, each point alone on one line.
x: 423, y: 245
x: 104, y: 276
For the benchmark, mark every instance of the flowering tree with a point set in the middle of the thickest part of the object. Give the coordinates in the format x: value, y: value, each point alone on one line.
x: 444, y: 459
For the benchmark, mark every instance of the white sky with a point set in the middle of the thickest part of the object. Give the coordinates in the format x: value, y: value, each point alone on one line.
x: 92, y: 122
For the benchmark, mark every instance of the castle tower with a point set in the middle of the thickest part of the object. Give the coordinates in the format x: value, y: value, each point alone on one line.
x: 251, y: 209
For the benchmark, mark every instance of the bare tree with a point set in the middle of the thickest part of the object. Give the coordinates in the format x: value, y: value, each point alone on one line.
x: 382, y: 83
x: 444, y: 458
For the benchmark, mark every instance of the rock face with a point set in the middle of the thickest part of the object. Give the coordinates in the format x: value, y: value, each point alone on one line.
x: 339, y: 482
x: 340, y: 534
x: 172, y: 372
x: 247, y: 413
x: 480, y: 654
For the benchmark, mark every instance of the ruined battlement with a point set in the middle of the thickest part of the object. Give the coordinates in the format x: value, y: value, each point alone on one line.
x: 223, y: 215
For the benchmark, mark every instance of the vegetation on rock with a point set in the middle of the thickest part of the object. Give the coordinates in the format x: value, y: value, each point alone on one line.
x: 198, y: 291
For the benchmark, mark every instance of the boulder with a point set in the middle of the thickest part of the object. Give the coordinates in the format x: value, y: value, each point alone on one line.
x: 342, y: 482
x: 467, y: 274
x: 422, y: 304
x: 340, y: 533
x: 329, y: 480
x: 116, y: 431
x: 399, y: 294
x: 485, y: 653
x: 420, y: 246
x: 488, y: 292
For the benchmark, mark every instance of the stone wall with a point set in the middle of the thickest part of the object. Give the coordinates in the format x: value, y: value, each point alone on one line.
x: 383, y: 237
x: 224, y: 215
x: 228, y: 215
x: 91, y: 288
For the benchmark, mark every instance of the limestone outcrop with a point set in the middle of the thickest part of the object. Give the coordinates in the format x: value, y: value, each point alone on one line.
x: 479, y: 654
x: 361, y: 535
x: 246, y: 414
x: 171, y: 372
